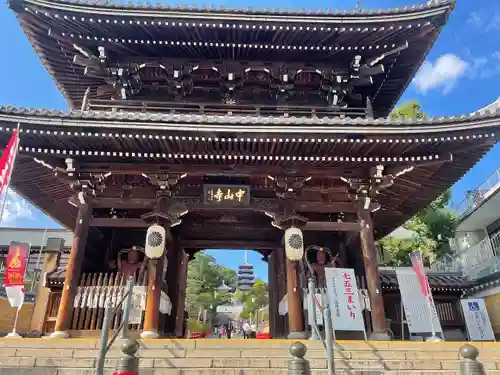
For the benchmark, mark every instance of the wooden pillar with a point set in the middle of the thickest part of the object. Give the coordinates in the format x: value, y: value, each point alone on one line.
x: 295, y: 311
x: 379, y: 321
x: 73, y: 271
x: 153, y: 295
x: 280, y: 271
x: 273, y: 304
x: 181, y: 296
x: 174, y: 256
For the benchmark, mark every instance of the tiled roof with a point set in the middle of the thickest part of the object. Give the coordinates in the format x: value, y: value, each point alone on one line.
x: 490, y: 281
x: 263, y: 120
x: 438, y: 281
x: 355, y: 12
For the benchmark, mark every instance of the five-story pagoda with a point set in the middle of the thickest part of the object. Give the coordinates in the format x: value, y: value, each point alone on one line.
x: 226, y: 126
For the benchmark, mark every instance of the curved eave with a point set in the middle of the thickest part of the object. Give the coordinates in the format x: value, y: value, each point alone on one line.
x: 355, y: 16
x: 266, y: 126
x: 72, y: 82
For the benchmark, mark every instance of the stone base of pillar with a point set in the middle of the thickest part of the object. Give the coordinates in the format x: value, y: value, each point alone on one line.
x: 13, y: 335
x: 433, y: 339
x: 59, y: 335
x: 298, y: 336
x: 379, y: 337
x: 149, y: 335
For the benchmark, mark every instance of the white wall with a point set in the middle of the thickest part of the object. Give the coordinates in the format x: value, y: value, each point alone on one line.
x: 465, y: 240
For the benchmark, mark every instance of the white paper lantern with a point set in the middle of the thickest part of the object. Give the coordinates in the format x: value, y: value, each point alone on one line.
x: 155, y: 241
x: 294, y: 244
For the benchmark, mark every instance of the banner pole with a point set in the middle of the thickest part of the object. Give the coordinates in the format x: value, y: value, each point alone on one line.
x: 14, y: 333
x: 431, y: 312
x: 402, y: 312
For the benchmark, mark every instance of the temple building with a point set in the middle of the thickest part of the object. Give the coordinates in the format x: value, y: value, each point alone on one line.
x: 226, y: 127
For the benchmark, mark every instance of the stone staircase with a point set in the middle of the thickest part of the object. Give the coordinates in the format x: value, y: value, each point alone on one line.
x: 239, y: 357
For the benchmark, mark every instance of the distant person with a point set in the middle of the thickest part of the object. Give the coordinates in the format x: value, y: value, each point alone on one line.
x: 247, y: 330
x: 228, y: 330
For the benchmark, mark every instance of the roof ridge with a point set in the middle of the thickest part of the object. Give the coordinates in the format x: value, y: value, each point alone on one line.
x: 253, y: 10
x: 193, y: 118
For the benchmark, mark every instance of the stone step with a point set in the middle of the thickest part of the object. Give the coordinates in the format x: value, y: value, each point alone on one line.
x: 221, y: 363
x: 251, y: 357
x: 243, y: 371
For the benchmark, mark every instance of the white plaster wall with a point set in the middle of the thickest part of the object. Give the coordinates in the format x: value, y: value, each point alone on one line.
x: 464, y: 240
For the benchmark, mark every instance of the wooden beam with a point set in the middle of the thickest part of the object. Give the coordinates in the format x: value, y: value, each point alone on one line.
x: 332, y: 226
x: 310, y: 225
x: 118, y: 223
x: 195, y: 204
x: 202, y: 170
x: 230, y: 244
x: 119, y: 203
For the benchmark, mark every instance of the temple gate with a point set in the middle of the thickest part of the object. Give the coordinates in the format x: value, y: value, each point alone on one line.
x: 238, y: 126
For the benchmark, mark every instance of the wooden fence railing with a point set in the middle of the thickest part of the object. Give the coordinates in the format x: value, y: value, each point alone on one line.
x: 90, y: 301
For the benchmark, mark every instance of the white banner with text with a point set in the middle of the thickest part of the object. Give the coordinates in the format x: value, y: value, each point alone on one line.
x: 344, y: 300
x: 418, y: 307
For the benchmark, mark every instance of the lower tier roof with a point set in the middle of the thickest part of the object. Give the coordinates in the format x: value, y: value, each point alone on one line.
x: 427, y: 156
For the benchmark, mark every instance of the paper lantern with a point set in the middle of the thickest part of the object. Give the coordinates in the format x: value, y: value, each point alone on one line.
x: 294, y: 244
x: 155, y: 241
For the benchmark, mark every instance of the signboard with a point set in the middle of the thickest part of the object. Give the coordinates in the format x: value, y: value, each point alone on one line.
x: 17, y: 259
x: 418, y: 307
x: 344, y: 299
x: 477, y: 320
x: 226, y: 194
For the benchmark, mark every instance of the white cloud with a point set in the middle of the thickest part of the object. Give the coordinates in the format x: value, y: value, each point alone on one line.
x: 16, y: 208
x: 443, y: 73
x: 484, y: 67
x: 475, y: 20
x: 485, y: 20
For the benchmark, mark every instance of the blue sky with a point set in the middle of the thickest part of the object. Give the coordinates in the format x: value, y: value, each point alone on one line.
x: 461, y: 74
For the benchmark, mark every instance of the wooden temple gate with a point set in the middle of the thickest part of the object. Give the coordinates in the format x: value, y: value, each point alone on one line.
x: 226, y: 143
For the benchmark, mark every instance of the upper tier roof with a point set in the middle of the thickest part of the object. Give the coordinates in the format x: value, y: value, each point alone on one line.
x: 280, y: 41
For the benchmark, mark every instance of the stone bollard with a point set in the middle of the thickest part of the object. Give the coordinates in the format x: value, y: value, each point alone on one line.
x: 129, y: 363
x: 298, y: 365
x: 469, y: 365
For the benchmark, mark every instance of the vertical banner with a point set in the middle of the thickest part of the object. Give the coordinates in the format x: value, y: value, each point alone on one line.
x: 309, y: 305
x: 344, y: 299
x: 477, y: 320
x: 416, y: 304
x: 17, y: 259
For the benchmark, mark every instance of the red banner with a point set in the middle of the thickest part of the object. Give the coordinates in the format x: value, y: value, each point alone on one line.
x: 418, y: 266
x: 7, y: 161
x: 16, y: 263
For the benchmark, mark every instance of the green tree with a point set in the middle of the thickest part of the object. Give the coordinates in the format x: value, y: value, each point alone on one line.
x: 432, y: 227
x: 431, y: 230
x: 256, y: 298
x: 408, y: 111
x: 204, y: 277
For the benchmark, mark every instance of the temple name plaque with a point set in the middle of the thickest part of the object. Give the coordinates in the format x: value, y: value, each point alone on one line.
x: 226, y: 194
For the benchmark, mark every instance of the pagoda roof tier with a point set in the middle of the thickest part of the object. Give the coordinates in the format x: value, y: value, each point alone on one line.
x: 213, y: 55
x: 426, y: 156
